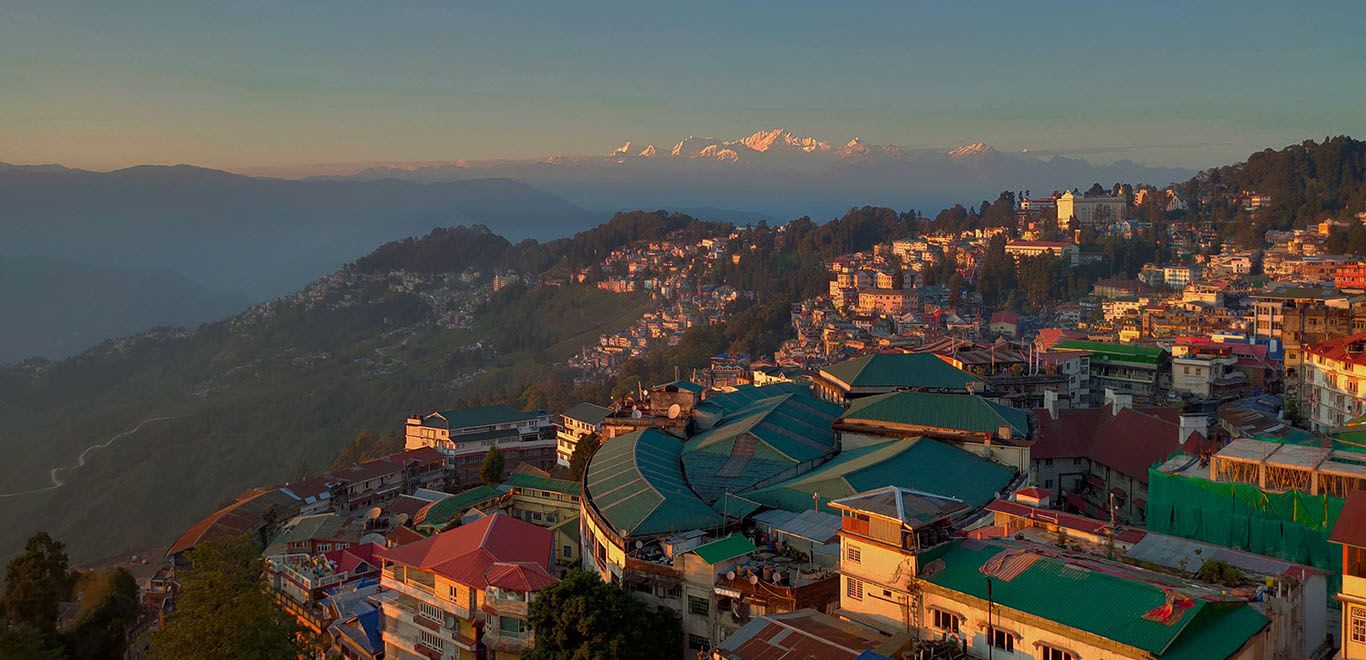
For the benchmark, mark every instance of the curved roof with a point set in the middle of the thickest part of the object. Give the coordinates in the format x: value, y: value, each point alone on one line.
x: 892, y: 370
x: 944, y: 411
x: 758, y: 442
x: 636, y: 484
x: 921, y: 464
x: 712, y: 409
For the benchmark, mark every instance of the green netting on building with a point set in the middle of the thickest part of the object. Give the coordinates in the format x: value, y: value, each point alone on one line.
x: 1293, y: 525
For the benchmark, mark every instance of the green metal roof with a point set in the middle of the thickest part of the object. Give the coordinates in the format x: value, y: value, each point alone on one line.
x: 1105, y: 350
x: 891, y: 370
x: 590, y: 413
x: 523, y: 480
x: 1218, y: 631
x: 921, y: 464
x: 713, y: 408
x: 735, y: 506
x: 481, y: 416
x: 685, y: 385
x: 1107, y: 605
x: 945, y: 411
x: 444, y: 511
x: 759, y: 442
x: 636, y: 482
x: 735, y: 545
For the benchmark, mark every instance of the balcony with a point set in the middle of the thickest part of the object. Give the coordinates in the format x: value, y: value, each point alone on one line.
x: 507, y: 641
x: 505, y: 606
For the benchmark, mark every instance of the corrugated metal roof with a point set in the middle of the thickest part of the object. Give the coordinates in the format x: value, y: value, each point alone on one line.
x: 1099, y: 603
x: 758, y: 442
x: 442, y: 512
x: 735, y: 545
x: 945, y: 411
x: 636, y: 482
x: 589, y: 413
x: 920, y: 464
x: 536, y: 481
x: 900, y: 370
x: 480, y: 416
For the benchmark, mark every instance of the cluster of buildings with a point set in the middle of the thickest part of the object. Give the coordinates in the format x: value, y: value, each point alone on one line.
x: 1172, y: 467
x: 670, y: 272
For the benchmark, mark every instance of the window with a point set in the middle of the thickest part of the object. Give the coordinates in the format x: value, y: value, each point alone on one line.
x: 568, y: 551
x: 1358, y: 631
x: 945, y: 621
x: 699, y: 605
x: 453, y: 592
x: 853, y: 554
x: 698, y: 642
x: 1001, y: 639
x: 1047, y: 461
x: 854, y: 588
x: 1047, y: 483
x: 1047, y: 652
x: 510, y: 624
x: 1076, y: 461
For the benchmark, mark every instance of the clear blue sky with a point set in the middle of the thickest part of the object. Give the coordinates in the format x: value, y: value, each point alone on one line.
x: 245, y: 83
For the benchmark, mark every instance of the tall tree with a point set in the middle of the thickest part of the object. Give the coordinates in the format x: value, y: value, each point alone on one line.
x: 35, y: 583
x: 578, y: 461
x: 583, y: 618
x: 222, y: 613
x: 109, y: 607
x: 493, y: 467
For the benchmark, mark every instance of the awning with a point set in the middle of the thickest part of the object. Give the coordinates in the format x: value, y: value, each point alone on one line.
x: 1095, y: 481
x: 1118, y: 492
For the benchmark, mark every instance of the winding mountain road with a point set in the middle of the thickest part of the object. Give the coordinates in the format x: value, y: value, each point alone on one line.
x: 57, y: 481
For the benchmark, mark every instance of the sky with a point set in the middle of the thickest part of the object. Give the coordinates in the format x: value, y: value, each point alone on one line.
x: 288, y: 86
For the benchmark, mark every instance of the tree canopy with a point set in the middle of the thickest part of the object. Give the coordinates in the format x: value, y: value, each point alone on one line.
x: 493, y: 469
x: 583, y: 618
x: 222, y: 613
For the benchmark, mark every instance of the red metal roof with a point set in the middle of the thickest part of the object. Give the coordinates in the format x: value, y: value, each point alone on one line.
x: 519, y: 576
x: 349, y: 559
x: 1351, y: 526
x: 467, y: 553
x: 1338, y: 349
x: 1129, y: 442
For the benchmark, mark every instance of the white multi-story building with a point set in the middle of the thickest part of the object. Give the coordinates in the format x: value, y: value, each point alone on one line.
x: 1333, y: 388
x: 574, y: 425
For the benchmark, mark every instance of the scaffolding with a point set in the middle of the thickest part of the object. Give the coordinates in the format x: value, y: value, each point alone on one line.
x: 1278, y: 468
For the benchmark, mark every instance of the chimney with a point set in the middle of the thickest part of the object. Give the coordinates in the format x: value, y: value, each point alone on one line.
x: 1118, y: 401
x: 1190, y: 423
x: 1050, y: 403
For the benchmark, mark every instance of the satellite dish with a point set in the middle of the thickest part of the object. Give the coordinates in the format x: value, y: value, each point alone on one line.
x: 777, y: 577
x: 753, y: 579
x: 401, y: 518
x: 674, y: 411
x: 730, y: 575
x: 639, y: 545
x: 635, y: 414
x: 374, y: 513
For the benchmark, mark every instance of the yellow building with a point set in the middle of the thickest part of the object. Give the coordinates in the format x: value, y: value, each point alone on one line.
x: 884, y: 534
x: 446, y: 594
x: 1350, y: 533
x: 902, y: 572
x: 1100, y: 209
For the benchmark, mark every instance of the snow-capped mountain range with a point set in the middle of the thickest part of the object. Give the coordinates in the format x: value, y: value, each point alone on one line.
x: 779, y: 172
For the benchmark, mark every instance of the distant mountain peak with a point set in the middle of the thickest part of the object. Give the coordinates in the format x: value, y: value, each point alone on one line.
x: 763, y: 141
x: 648, y: 152
x: 623, y: 150
x: 973, y: 149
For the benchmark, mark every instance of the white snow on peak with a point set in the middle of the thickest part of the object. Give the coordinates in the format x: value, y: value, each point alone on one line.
x: 970, y: 150
x: 623, y: 149
x: 763, y: 141
x: 648, y: 151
